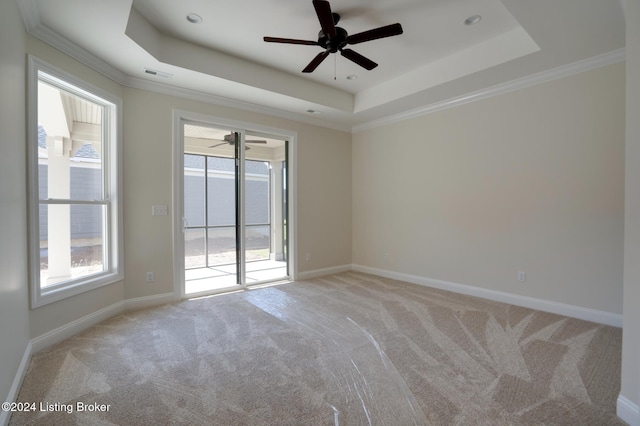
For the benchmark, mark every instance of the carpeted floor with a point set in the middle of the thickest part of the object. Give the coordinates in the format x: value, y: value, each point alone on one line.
x: 346, y: 349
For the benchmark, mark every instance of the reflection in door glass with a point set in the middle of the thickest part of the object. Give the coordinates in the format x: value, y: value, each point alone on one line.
x: 212, y: 238
x: 264, y: 215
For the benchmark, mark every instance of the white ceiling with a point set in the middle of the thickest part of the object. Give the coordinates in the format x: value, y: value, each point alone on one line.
x: 225, y: 60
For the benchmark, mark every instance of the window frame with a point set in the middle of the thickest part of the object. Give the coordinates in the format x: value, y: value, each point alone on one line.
x: 112, y: 185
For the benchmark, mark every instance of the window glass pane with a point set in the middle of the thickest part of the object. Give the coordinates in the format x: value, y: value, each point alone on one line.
x: 256, y: 192
x: 86, y: 175
x: 74, y: 247
x: 69, y: 145
x: 222, y: 246
x: 194, y: 190
x: 194, y: 248
x: 257, y: 242
x: 257, y: 167
x: 75, y: 235
x: 221, y: 186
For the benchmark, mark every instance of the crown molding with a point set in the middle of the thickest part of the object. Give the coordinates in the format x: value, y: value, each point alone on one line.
x: 30, y: 15
x: 578, y: 67
x: 194, y: 95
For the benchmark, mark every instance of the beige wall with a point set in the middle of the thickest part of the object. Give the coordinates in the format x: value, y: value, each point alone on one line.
x: 324, y: 189
x: 527, y: 181
x: 14, y: 314
x: 631, y: 331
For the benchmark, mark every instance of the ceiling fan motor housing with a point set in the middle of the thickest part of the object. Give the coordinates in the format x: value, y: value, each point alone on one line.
x: 333, y: 39
x: 339, y: 42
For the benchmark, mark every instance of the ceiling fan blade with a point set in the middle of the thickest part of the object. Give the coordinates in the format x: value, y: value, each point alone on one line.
x: 376, y: 33
x: 323, y: 10
x: 228, y: 140
x: 290, y: 41
x: 246, y: 148
x: 223, y: 143
x: 354, y: 56
x: 316, y: 61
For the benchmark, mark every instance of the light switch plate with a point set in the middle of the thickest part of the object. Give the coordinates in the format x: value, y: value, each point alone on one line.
x: 159, y: 210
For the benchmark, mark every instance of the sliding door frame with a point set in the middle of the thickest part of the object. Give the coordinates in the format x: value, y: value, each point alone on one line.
x: 181, y: 117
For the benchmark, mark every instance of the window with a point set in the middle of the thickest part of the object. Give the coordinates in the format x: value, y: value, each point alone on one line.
x: 74, y: 185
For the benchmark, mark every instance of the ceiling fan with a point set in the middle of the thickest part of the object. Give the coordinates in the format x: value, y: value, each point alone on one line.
x: 334, y: 39
x: 230, y: 140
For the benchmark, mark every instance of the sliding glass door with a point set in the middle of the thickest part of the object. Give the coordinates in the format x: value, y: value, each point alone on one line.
x: 210, y: 221
x: 234, y: 217
x: 264, y: 226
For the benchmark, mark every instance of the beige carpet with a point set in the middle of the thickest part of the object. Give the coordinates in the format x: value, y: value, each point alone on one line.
x: 346, y: 349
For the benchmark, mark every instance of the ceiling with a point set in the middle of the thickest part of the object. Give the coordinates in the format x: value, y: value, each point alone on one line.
x: 224, y: 60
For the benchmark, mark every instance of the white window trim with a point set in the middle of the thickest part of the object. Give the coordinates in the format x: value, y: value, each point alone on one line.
x: 112, y: 162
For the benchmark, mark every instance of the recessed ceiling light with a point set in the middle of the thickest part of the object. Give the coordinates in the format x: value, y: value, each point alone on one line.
x: 194, y: 18
x: 352, y: 77
x: 472, y: 20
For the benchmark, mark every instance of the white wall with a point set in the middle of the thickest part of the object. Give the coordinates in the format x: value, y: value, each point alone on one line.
x: 528, y: 181
x: 630, y: 392
x: 14, y: 315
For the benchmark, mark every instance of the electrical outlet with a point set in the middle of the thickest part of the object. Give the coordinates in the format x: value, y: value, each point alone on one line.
x: 522, y: 277
x: 151, y: 277
x: 307, y: 257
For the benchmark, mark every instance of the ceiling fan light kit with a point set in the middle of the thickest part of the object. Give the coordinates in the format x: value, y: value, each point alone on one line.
x: 335, y: 39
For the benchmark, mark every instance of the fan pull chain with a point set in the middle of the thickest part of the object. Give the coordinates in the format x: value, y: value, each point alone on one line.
x: 334, y: 66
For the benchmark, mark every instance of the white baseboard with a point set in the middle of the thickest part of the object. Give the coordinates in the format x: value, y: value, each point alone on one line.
x: 628, y: 411
x: 306, y: 275
x: 17, y: 383
x: 74, y: 327
x: 64, y: 332
x: 573, y: 311
x: 148, y: 301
